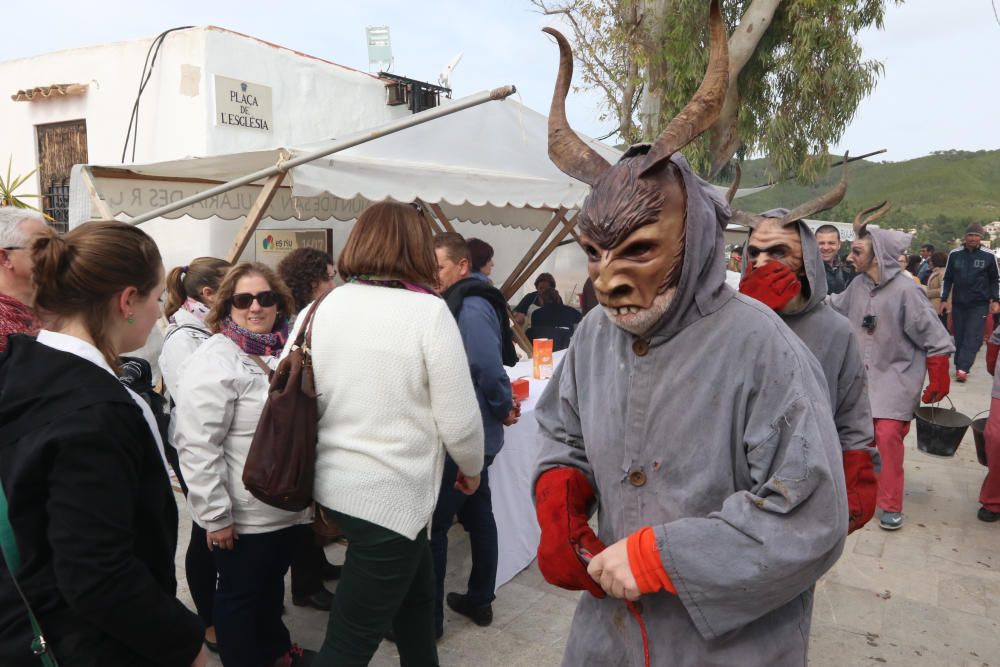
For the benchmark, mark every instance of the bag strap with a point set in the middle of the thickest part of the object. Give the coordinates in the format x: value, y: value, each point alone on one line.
x: 264, y: 367
x: 305, y: 334
x: 13, y: 559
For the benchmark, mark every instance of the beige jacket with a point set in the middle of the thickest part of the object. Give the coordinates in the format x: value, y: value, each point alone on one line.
x: 934, y: 287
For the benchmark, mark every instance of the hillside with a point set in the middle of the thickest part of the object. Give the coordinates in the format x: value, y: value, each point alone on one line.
x: 937, y: 194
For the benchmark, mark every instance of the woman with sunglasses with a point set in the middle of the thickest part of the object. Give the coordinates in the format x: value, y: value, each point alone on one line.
x: 220, y: 397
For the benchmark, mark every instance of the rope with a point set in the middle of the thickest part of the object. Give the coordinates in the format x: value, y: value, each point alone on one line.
x: 642, y: 629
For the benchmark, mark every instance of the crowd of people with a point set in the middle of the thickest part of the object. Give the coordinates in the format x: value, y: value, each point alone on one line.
x: 719, y: 504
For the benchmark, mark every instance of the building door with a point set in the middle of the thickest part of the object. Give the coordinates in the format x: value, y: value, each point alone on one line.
x: 60, y: 146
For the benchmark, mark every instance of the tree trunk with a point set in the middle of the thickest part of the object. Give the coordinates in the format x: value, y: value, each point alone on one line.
x: 725, y: 139
x: 657, y: 71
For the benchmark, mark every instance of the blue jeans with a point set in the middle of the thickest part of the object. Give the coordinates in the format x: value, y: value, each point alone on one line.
x: 249, y: 598
x: 475, y: 513
x: 970, y: 322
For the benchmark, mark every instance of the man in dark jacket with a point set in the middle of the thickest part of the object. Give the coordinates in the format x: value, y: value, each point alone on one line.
x: 477, y: 306
x: 971, y: 280
x: 838, y: 275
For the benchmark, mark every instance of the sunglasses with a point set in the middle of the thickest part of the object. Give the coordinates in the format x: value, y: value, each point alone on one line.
x: 266, y: 299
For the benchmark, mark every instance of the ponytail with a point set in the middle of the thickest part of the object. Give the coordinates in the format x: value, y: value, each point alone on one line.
x: 184, y: 282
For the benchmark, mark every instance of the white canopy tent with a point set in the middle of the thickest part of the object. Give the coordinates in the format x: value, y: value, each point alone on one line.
x: 485, y: 164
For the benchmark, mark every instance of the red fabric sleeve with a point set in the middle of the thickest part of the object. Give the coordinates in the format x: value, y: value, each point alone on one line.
x: 647, y: 567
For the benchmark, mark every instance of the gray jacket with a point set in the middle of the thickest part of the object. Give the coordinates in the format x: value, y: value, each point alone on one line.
x: 829, y: 336
x: 907, y: 330
x: 721, y: 438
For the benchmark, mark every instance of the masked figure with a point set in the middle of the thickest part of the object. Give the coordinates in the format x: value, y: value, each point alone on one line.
x: 690, y: 417
x: 901, y: 339
x: 785, y: 271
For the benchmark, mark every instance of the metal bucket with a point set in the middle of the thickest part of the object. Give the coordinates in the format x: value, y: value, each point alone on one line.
x: 940, y: 430
x: 978, y: 431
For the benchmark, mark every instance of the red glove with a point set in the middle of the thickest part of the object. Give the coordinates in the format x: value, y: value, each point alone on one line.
x: 940, y: 383
x: 859, y: 473
x: 992, y: 350
x: 561, y: 499
x: 773, y: 284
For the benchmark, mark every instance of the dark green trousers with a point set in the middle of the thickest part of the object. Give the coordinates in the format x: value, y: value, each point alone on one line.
x: 387, y: 581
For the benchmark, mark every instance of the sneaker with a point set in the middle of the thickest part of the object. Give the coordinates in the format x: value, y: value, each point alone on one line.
x: 296, y: 657
x: 481, y: 616
x: 961, y: 376
x: 987, y: 515
x: 891, y: 521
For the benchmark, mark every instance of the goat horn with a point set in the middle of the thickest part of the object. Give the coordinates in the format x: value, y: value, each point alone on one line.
x: 750, y: 220
x: 820, y: 203
x: 734, y: 188
x: 566, y: 150
x: 703, y: 109
x: 872, y: 214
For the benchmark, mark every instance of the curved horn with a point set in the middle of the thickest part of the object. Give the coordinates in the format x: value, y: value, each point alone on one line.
x: 703, y: 109
x: 821, y: 203
x: 750, y: 220
x: 566, y: 150
x: 872, y: 214
x: 734, y: 188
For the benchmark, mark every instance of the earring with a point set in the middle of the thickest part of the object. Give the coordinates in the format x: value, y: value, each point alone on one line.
x: 131, y: 318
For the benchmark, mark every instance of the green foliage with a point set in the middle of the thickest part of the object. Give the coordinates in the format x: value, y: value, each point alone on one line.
x: 9, y: 186
x: 799, y: 90
x: 937, y: 195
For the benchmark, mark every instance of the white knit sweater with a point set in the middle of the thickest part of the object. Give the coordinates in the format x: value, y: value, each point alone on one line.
x: 395, y: 393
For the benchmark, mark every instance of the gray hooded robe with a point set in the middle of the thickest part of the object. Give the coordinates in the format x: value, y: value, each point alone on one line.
x: 720, y: 436
x: 907, y: 330
x: 829, y: 336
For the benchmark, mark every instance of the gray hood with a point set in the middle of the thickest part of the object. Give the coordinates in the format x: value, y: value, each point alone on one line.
x: 702, y: 287
x: 888, y: 245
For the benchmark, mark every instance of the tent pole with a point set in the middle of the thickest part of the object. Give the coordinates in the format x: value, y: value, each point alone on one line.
x: 445, y: 222
x: 549, y: 249
x: 352, y: 140
x: 99, y: 204
x: 528, y: 256
x: 254, y: 216
x: 520, y: 337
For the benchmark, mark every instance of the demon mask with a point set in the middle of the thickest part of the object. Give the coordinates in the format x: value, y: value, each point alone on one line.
x: 862, y: 256
x: 632, y: 224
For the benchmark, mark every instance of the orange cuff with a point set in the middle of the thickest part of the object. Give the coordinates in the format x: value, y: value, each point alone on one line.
x: 647, y: 567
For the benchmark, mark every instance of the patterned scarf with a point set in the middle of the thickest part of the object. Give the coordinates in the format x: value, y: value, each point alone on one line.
x: 396, y: 283
x: 196, y: 308
x: 267, y: 344
x: 15, y: 317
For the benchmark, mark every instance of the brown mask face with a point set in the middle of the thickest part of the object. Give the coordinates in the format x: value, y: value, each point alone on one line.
x: 770, y: 241
x: 633, y: 233
x: 862, y: 256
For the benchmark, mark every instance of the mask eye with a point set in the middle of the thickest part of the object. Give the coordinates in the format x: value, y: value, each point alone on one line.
x: 753, y: 253
x: 777, y: 253
x: 592, y: 252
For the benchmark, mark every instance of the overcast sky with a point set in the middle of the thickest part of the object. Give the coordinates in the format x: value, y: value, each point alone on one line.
x: 941, y: 87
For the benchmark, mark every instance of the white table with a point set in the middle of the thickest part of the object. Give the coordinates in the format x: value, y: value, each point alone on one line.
x: 510, y: 481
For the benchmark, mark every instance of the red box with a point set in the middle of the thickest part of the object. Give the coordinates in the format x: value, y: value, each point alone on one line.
x: 521, y: 388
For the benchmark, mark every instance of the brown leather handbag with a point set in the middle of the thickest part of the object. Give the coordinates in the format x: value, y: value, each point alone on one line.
x: 281, y: 464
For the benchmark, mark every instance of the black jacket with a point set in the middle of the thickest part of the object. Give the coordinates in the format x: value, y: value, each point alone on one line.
x: 94, y: 518
x: 472, y: 286
x: 838, y: 277
x: 972, y: 274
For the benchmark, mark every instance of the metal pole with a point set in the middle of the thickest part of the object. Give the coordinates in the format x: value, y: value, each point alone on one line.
x: 353, y: 140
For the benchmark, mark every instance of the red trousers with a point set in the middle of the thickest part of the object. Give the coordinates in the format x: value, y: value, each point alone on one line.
x: 989, y: 495
x: 889, y: 434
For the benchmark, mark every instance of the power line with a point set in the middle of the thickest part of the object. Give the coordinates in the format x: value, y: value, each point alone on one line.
x: 996, y: 14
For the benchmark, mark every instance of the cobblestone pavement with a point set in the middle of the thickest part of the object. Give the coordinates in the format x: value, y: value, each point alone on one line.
x: 926, y: 595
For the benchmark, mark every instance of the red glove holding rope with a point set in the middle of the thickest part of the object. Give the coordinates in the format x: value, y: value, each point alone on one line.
x: 561, y: 499
x: 859, y: 473
x: 773, y: 284
x: 940, y: 383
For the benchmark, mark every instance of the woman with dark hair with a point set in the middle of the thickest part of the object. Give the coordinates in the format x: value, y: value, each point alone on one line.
x: 190, y: 294
x: 220, y: 397
x: 82, y: 465
x: 309, y: 274
x: 481, y: 254
x: 394, y: 395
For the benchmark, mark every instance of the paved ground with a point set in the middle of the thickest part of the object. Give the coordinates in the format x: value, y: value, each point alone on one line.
x: 926, y: 595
